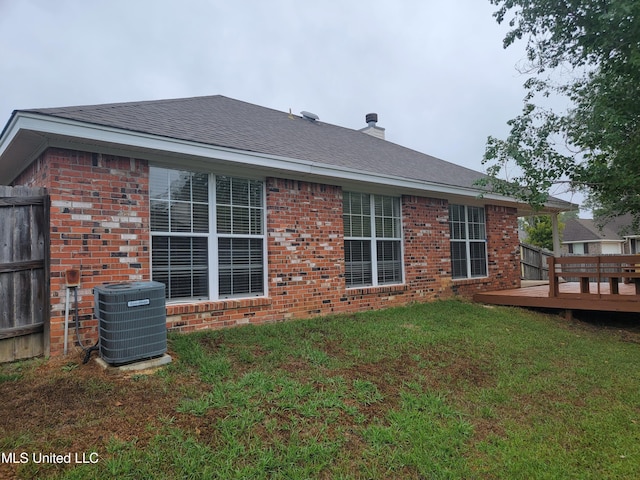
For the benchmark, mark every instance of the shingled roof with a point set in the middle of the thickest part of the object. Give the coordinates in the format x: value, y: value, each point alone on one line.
x: 293, y: 143
x: 225, y: 122
x: 589, y: 230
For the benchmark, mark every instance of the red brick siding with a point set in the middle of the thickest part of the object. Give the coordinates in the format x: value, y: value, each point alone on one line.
x: 426, y: 247
x: 306, y: 248
x: 100, y: 224
x: 305, y: 263
x: 36, y: 175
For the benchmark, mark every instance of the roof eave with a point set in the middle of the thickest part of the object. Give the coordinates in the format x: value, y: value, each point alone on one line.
x: 28, y: 134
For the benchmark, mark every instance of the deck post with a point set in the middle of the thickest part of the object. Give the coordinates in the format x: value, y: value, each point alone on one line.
x: 553, y: 279
x: 599, y: 272
x: 555, y: 233
x: 584, y: 285
x: 614, y: 285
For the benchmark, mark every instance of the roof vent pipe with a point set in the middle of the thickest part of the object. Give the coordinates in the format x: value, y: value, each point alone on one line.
x: 371, y: 128
x: 371, y: 119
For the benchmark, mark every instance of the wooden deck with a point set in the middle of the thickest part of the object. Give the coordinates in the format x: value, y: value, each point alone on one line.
x: 603, y: 283
x: 569, y: 298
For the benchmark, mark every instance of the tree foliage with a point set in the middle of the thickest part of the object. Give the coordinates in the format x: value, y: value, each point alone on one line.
x: 539, y: 228
x: 587, y: 52
x: 539, y: 231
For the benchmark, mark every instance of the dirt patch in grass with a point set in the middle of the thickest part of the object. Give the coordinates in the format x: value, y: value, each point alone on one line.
x: 64, y: 406
x: 64, y: 401
x: 81, y: 403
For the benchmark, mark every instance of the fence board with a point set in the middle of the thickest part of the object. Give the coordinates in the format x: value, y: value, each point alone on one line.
x: 6, y: 235
x: 22, y: 233
x: 20, y: 266
x: 24, y: 286
x: 533, y: 262
x: 23, y: 300
x: 6, y: 303
x: 18, y: 201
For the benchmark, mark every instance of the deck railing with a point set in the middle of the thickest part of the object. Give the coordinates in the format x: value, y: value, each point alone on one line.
x: 592, y: 272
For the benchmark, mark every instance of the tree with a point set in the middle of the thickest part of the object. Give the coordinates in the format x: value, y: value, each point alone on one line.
x: 539, y: 228
x: 587, y: 52
x: 539, y: 231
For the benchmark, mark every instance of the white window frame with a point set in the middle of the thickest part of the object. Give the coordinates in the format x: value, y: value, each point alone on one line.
x: 467, y: 241
x: 170, y: 201
x: 213, y: 269
x: 213, y: 236
x: 372, y: 240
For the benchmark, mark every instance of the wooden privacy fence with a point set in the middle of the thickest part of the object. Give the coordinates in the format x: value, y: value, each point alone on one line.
x: 598, y: 277
x: 24, y: 272
x: 533, y: 262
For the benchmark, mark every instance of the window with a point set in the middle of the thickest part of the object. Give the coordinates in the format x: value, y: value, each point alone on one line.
x: 467, y: 231
x: 180, y: 232
x: 373, y: 240
x: 579, y: 248
x: 239, y: 220
x: 182, y: 240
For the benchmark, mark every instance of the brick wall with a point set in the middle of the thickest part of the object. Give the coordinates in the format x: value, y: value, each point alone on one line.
x: 100, y: 222
x: 305, y: 263
x: 426, y: 247
x: 306, y: 250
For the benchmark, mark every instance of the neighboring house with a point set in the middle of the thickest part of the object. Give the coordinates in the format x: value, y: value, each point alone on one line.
x: 586, y: 237
x: 252, y: 215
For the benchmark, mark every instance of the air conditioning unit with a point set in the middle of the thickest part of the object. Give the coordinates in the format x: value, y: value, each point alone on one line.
x: 132, y: 321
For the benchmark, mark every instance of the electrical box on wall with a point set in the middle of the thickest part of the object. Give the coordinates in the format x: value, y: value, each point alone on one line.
x: 72, y: 277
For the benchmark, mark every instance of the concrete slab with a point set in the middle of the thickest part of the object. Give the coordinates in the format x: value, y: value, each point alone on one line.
x: 139, y: 367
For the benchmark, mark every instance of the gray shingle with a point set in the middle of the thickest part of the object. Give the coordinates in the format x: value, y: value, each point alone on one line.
x: 580, y: 230
x: 225, y: 122
x: 586, y: 229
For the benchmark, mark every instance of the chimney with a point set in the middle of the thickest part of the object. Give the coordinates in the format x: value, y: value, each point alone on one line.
x: 371, y: 128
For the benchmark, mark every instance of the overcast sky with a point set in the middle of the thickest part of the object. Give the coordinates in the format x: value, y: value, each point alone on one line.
x: 435, y: 71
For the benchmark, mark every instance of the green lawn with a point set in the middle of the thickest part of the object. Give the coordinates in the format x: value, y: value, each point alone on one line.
x: 442, y: 390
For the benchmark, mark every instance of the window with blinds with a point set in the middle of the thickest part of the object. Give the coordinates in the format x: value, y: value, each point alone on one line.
x: 239, y: 220
x: 182, y: 238
x: 180, y: 232
x: 468, y: 240
x: 373, y: 239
